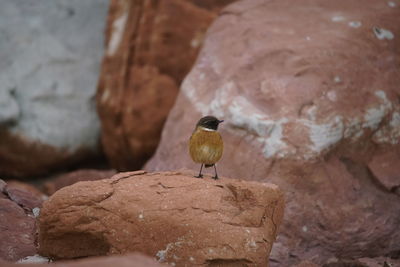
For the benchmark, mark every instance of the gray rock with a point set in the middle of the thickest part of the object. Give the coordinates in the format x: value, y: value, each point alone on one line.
x: 50, y: 53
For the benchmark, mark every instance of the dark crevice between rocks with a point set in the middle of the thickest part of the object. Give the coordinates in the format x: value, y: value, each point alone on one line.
x: 160, y: 184
x: 204, y: 210
x: 229, y: 262
x: 85, y: 244
x: 396, y: 190
x: 354, y: 168
x: 164, y: 186
x: 266, y: 241
x: 350, y: 263
x: 107, y: 196
x: 232, y: 10
x: 272, y: 216
x: 116, y: 214
x: 128, y: 175
x: 209, y: 5
x: 375, y: 181
x: 394, y: 254
x: 233, y: 224
x: 172, y: 173
x: 263, y: 217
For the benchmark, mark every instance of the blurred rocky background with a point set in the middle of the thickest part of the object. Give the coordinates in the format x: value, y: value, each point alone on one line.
x: 309, y: 91
x: 50, y: 55
x: 151, y: 46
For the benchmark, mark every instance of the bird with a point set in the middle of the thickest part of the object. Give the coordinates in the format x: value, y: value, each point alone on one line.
x: 205, y: 144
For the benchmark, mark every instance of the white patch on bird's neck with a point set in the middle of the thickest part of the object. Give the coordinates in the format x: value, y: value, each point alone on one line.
x: 207, y: 129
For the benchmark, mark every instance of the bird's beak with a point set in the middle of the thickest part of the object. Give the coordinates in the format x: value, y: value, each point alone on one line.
x: 220, y: 121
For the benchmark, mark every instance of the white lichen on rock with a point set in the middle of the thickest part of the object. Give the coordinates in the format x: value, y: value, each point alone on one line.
x: 34, y: 259
x: 117, y: 30
x: 355, y: 24
x: 390, y: 133
x: 244, y: 118
x: 162, y: 254
x: 36, y: 212
x: 382, y: 34
x: 326, y: 134
x: 338, y: 18
x: 374, y: 115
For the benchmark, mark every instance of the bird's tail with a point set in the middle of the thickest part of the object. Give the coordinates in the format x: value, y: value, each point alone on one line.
x: 208, y: 165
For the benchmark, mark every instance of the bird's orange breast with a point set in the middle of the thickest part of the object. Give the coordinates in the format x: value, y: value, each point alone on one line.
x: 205, y: 146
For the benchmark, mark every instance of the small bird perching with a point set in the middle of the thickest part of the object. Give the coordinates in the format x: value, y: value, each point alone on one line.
x: 205, y: 144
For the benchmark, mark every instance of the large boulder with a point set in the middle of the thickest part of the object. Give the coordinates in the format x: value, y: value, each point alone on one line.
x: 151, y: 46
x: 48, y: 77
x: 172, y: 216
x: 309, y: 92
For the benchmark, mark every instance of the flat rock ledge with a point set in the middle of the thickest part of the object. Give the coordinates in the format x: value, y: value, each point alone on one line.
x: 171, y: 216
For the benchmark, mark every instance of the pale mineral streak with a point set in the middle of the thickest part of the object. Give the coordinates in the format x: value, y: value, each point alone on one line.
x: 118, y: 28
x: 242, y: 114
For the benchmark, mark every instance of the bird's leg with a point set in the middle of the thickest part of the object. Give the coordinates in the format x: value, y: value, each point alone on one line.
x: 216, y: 174
x: 200, y: 175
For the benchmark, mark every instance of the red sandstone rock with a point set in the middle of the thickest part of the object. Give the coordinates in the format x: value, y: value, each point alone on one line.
x: 25, y: 195
x: 177, y: 218
x: 17, y: 224
x: 385, y: 166
x: 151, y: 46
x: 76, y: 176
x: 22, y: 157
x: 25, y: 187
x: 309, y: 94
x: 129, y: 260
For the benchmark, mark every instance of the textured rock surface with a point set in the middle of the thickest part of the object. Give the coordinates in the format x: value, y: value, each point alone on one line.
x: 364, y: 262
x: 25, y: 195
x: 76, y: 176
x: 309, y: 94
x: 29, y: 194
x: 385, y: 166
x: 130, y: 260
x: 377, y: 262
x: 149, y: 50
x: 307, y: 264
x: 177, y: 218
x: 17, y: 222
x: 48, y: 77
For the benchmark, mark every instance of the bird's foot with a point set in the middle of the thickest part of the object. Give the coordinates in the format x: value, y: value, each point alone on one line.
x: 199, y: 176
x: 215, y: 177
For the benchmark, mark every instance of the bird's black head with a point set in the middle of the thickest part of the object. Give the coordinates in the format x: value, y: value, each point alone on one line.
x: 209, y: 122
